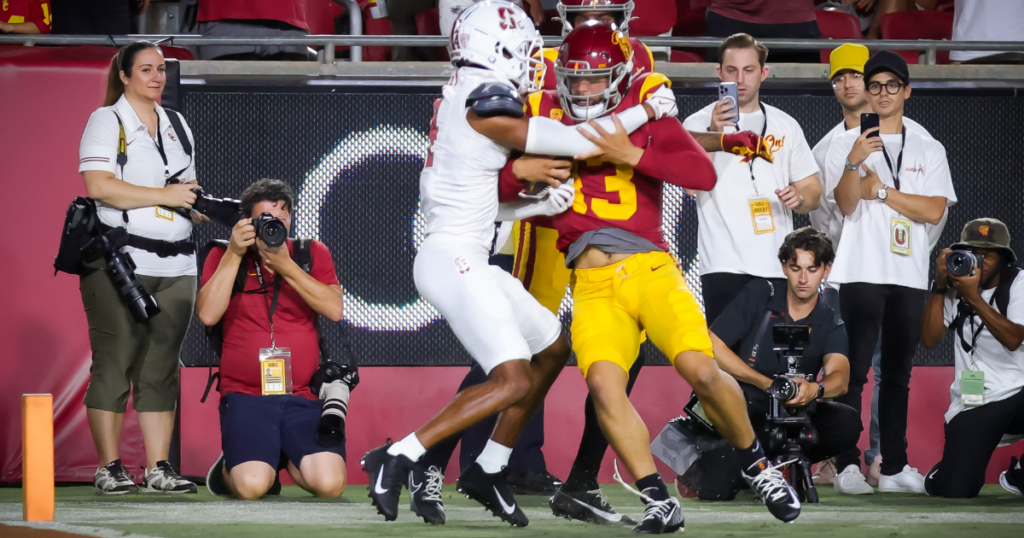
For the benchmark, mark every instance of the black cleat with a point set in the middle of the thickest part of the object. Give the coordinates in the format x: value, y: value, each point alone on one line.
x: 386, y: 473
x: 425, y: 494
x: 492, y: 491
x: 1012, y: 479
x: 543, y: 483
x: 771, y: 487
x: 661, y: 517
x: 587, y: 505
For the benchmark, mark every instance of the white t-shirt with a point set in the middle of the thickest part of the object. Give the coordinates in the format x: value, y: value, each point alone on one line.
x: 1004, y: 369
x: 866, y: 253
x: 459, y: 188
x: 145, y: 168
x: 827, y: 218
x: 726, y: 238
x: 988, y: 20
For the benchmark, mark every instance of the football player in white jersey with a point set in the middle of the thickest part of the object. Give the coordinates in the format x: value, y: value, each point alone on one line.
x: 516, y: 341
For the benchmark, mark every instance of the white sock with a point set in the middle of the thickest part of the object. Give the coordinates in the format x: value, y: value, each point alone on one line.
x: 410, y: 447
x: 494, y: 457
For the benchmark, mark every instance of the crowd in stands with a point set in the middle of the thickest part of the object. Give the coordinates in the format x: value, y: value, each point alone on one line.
x: 958, y: 20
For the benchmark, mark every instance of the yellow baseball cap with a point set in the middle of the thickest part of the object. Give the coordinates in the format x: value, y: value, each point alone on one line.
x: 848, y: 56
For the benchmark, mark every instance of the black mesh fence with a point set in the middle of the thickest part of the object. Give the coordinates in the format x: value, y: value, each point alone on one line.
x: 354, y: 157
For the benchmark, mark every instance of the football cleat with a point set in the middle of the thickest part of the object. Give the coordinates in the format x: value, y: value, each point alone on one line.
x: 771, y: 487
x: 661, y: 517
x: 386, y: 474
x: 492, y: 491
x: 587, y: 505
x: 425, y: 494
x: 542, y: 483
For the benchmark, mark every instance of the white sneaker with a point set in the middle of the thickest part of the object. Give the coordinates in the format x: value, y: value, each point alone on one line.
x: 852, y: 482
x: 906, y: 481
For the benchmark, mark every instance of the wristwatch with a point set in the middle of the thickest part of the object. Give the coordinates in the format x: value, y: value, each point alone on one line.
x: 821, y: 390
x: 937, y: 290
x: 850, y: 166
x: 883, y: 193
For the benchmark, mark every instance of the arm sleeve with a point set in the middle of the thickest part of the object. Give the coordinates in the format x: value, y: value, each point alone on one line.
x: 937, y: 180
x: 211, y: 264
x: 949, y: 307
x: 801, y: 161
x: 509, y: 185
x: 1015, y: 308
x: 98, y: 149
x: 739, y: 317
x: 549, y: 137
x: 41, y: 14
x: 673, y: 156
x: 519, y: 209
x: 837, y: 341
x: 323, y: 264
x: 190, y: 174
x: 698, y: 122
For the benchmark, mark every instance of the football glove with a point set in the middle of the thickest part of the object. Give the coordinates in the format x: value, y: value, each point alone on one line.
x: 747, y: 145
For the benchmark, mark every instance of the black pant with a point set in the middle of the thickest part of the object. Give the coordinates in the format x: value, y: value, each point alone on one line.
x: 527, y: 456
x: 719, y: 26
x: 895, y: 312
x: 838, y: 425
x: 719, y: 289
x: 971, y: 437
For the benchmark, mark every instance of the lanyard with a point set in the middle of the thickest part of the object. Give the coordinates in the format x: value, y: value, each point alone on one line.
x: 273, y: 302
x: 160, y: 147
x: 764, y: 130
x: 970, y: 314
x: 899, y: 159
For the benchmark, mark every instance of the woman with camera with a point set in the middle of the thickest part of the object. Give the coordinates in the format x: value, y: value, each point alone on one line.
x: 131, y: 153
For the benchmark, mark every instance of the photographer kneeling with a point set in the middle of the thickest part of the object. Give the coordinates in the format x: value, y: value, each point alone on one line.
x: 745, y: 329
x: 268, y: 306
x: 979, y: 294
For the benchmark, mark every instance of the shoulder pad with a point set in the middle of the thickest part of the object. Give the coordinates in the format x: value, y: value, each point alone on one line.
x: 493, y: 99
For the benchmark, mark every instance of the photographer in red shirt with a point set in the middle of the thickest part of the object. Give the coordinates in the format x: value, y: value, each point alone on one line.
x: 261, y: 420
x: 26, y: 17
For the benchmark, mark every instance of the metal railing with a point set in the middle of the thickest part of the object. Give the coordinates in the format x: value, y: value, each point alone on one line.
x: 356, y: 42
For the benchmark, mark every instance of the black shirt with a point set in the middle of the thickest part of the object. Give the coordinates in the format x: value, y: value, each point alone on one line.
x: 738, y: 325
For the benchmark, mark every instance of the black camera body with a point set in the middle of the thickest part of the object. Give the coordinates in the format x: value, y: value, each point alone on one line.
x: 963, y: 263
x: 789, y: 431
x: 270, y: 229
x: 223, y: 211
x: 121, y: 267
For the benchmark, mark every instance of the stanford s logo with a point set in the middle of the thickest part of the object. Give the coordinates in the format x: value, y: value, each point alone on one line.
x: 508, y: 21
x: 461, y: 264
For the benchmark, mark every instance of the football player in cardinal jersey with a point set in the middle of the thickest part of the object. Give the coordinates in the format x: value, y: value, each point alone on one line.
x: 516, y: 341
x: 623, y: 279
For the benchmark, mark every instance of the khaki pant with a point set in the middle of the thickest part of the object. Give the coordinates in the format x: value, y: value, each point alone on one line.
x: 127, y: 355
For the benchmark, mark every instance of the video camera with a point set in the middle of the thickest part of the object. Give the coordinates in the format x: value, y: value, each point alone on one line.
x: 141, y: 304
x: 962, y: 262
x: 789, y: 431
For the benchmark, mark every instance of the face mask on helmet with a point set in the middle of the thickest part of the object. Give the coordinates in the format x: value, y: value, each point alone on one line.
x: 618, y: 10
x: 588, y: 96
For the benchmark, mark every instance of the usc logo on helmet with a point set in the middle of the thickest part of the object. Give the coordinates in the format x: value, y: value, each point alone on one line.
x: 618, y: 38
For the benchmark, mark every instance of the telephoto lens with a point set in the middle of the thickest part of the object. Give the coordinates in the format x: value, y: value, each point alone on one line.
x: 270, y: 230
x: 334, y: 384
x: 961, y: 263
x: 225, y: 212
x: 121, y: 269
x: 783, y: 389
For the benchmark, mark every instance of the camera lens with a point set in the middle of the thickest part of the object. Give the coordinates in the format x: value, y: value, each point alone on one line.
x: 960, y: 263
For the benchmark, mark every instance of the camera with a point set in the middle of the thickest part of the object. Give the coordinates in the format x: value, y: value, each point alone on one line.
x: 121, y: 267
x: 270, y: 229
x: 224, y: 211
x: 962, y: 262
x: 334, y: 384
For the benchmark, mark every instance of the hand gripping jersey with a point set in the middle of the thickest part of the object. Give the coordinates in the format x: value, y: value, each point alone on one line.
x: 643, y: 63
x: 620, y: 196
x: 458, y: 185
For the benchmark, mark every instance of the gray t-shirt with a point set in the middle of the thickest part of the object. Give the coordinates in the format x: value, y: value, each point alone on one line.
x: 611, y: 241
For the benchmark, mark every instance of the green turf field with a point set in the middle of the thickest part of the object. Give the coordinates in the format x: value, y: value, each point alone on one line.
x: 995, y: 513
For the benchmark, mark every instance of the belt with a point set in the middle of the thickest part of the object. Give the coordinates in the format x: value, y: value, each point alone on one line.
x: 163, y: 249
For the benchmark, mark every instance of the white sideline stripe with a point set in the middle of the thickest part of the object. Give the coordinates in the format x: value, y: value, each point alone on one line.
x: 89, y: 531
x: 341, y: 514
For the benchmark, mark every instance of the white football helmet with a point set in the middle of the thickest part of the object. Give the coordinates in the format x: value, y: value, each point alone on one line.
x: 500, y: 36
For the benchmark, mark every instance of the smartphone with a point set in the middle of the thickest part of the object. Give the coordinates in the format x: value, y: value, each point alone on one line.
x: 727, y: 90
x: 868, y: 121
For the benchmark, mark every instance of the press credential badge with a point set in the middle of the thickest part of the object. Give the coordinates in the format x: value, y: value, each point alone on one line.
x: 761, y: 214
x: 276, y: 370
x: 972, y: 387
x: 899, y: 236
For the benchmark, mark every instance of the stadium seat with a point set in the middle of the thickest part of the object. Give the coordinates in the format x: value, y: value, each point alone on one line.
x: 918, y: 25
x: 836, y: 25
x: 690, y: 21
x: 320, y: 15
x: 428, y: 23
x: 682, y: 56
x: 654, y: 17
x: 372, y: 26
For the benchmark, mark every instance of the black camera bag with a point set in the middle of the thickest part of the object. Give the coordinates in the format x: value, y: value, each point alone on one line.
x: 81, y: 225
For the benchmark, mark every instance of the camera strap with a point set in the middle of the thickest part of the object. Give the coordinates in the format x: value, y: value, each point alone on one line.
x: 899, y: 159
x: 273, y: 302
x: 966, y: 313
x: 763, y: 327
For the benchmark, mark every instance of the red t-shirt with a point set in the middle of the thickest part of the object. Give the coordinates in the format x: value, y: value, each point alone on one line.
x: 765, y: 11
x: 37, y: 12
x: 288, y: 11
x: 247, y: 329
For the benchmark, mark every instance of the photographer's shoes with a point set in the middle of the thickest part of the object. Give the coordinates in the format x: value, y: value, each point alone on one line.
x: 1012, y: 479
x: 112, y: 479
x: 852, y: 482
x: 770, y: 486
x: 215, y: 482
x: 164, y: 478
x: 906, y: 481
x: 425, y: 494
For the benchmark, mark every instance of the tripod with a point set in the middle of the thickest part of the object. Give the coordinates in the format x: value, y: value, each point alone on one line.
x: 789, y: 435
